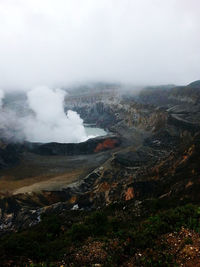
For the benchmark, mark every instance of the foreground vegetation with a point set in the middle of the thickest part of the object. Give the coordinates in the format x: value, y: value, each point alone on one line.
x: 111, y: 237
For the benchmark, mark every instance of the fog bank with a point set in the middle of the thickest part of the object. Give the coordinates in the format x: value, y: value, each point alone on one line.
x: 58, y: 42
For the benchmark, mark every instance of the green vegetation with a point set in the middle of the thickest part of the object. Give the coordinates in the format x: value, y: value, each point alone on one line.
x: 51, y: 239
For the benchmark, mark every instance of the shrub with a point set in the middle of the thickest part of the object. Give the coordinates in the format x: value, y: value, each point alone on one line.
x: 98, y: 223
x: 78, y: 232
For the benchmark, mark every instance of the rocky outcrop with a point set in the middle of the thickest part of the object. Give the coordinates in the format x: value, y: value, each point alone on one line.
x: 156, y: 155
x: 90, y: 146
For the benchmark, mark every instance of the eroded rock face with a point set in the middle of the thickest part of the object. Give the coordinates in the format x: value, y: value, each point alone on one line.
x: 133, y: 158
x: 156, y: 155
x: 90, y: 146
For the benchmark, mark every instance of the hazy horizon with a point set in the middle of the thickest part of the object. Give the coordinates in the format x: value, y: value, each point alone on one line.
x: 58, y: 43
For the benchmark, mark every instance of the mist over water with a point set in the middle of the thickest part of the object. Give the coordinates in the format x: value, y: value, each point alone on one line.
x: 66, y: 43
x: 43, y: 119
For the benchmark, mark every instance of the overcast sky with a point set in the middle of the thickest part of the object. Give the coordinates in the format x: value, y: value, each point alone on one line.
x: 56, y: 42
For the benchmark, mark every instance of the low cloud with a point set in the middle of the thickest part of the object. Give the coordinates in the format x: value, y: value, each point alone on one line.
x: 132, y: 41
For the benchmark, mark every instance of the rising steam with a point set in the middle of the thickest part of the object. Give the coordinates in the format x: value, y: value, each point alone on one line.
x: 45, y: 119
x: 1, y: 97
x: 49, y: 123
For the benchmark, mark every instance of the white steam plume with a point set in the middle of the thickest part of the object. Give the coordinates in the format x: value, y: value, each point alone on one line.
x: 10, y: 125
x: 40, y: 118
x: 1, y: 97
x: 49, y: 123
